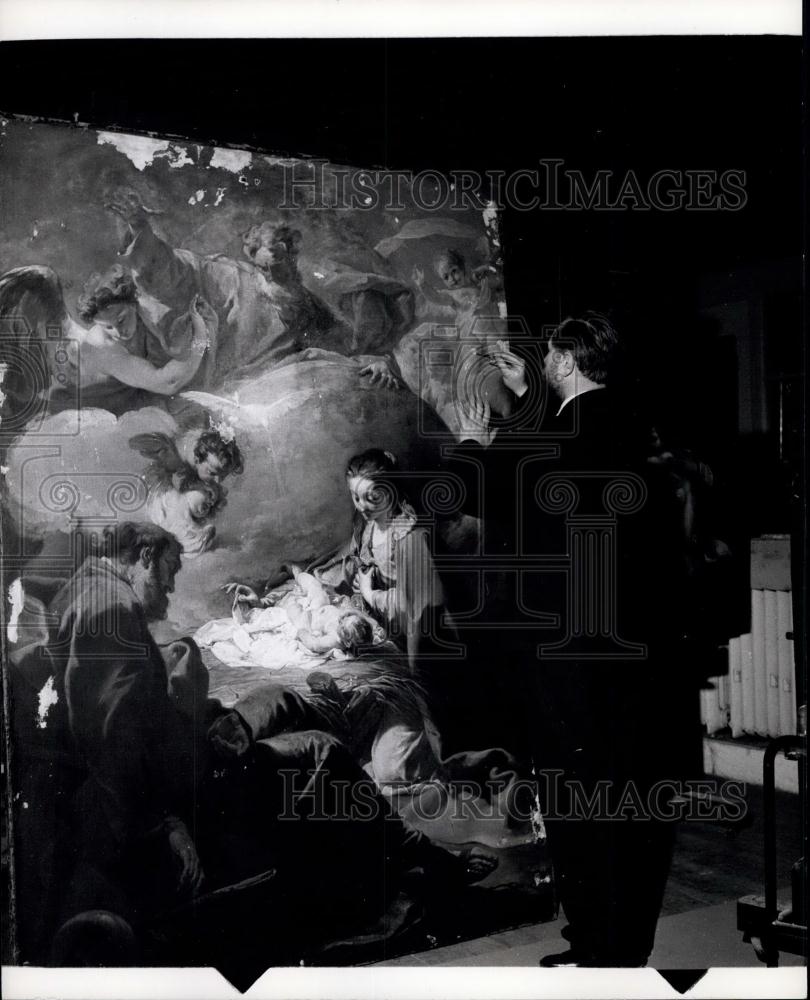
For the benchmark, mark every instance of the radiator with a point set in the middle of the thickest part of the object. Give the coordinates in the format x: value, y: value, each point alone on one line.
x: 757, y: 696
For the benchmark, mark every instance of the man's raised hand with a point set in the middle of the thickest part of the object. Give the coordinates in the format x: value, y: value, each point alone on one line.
x: 511, y: 367
x: 476, y: 417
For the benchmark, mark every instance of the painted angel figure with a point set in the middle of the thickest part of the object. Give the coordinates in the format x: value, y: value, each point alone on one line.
x: 114, y: 359
x: 185, y: 497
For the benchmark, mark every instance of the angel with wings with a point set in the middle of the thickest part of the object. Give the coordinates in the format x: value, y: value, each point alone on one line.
x: 115, y: 359
x: 185, y: 497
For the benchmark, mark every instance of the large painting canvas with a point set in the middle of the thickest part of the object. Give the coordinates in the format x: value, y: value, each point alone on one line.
x: 213, y: 342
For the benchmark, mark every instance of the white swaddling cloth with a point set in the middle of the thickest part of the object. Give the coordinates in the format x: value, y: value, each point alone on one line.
x: 267, y: 637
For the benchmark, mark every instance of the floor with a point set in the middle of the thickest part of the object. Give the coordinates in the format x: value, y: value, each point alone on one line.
x: 698, y: 939
x: 712, y: 867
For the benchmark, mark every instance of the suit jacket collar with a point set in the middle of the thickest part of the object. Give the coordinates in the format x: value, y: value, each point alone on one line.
x: 577, y: 396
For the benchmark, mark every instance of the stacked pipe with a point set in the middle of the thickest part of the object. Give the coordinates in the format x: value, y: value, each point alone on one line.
x: 758, y: 694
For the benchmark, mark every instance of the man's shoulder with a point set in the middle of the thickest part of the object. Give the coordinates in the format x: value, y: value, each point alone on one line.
x: 586, y: 417
x: 597, y: 402
x: 604, y: 410
x: 602, y: 431
x: 95, y: 589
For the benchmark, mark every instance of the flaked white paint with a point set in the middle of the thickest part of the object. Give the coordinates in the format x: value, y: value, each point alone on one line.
x: 140, y: 149
x: 235, y: 160
x: 16, y: 598
x: 48, y: 697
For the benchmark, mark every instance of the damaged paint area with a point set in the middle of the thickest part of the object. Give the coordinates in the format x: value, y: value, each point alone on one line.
x: 140, y: 149
x: 16, y: 598
x: 235, y: 160
x: 47, y: 698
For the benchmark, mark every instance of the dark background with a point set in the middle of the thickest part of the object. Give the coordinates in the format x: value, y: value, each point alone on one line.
x: 476, y: 104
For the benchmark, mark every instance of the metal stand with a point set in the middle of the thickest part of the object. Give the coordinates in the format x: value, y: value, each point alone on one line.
x: 769, y: 928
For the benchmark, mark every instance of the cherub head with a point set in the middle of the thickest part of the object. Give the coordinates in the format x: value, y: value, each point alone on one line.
x: 451, y: 268
x: 204, y: 499
x: 110, y: 301
x: 216, y: 458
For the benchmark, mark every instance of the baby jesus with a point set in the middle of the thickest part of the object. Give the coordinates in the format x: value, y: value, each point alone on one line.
x: 321, y: 625
x: 301, y: 611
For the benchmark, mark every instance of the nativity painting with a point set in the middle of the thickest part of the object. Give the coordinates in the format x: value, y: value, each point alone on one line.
x: 224, y: 417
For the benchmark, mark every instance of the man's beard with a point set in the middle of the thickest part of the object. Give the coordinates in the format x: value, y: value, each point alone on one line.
x: 553, y: 384
x: 154, y: 599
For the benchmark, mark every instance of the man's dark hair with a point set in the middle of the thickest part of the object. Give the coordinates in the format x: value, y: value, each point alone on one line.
x: 226, y: 451
x: 592, y: 341
x: 126, y: 541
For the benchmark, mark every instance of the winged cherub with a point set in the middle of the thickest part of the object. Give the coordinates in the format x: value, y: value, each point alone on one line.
x: 185, y: 497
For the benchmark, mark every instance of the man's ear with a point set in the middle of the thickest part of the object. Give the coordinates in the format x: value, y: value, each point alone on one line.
x: 145, y: 557
x: 567, y: 363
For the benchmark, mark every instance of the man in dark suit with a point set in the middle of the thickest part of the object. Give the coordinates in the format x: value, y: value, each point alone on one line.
x: 573, y: 500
